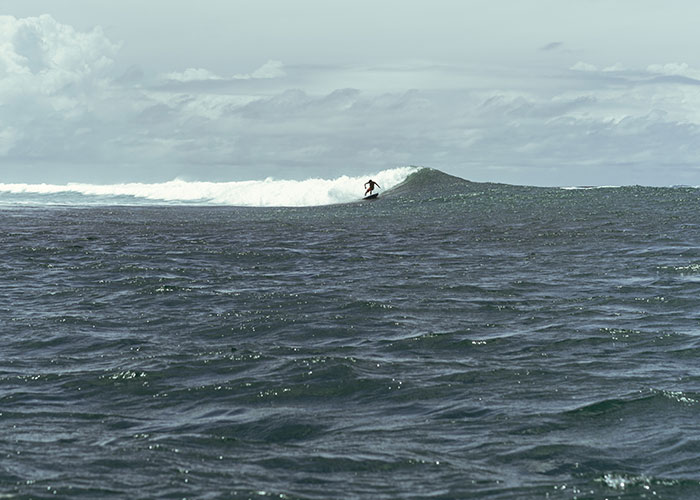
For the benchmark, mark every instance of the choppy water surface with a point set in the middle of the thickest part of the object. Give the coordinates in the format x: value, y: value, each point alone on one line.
x: 481, y: 341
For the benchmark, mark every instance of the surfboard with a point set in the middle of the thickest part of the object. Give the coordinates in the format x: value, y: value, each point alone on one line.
x: 371, y: 197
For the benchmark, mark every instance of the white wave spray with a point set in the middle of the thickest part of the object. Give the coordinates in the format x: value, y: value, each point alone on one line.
x: 265, y: 193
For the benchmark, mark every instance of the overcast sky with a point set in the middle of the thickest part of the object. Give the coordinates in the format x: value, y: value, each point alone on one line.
x: 540, y: 92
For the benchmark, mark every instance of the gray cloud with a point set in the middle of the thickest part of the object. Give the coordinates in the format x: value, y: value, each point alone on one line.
x: 69, y: 111
x: 552, y: 46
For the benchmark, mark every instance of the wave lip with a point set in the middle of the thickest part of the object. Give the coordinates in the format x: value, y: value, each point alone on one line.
x: 264, y: 193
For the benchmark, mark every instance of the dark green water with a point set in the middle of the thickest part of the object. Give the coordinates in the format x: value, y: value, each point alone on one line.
x: 449, y: 340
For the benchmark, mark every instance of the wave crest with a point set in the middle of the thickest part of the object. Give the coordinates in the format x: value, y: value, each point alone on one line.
x: 264, y: 193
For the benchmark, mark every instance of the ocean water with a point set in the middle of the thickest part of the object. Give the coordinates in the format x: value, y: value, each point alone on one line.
x: 448, y: 340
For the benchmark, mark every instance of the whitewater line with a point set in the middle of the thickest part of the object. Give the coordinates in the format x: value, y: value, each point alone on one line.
x: 269, y: 192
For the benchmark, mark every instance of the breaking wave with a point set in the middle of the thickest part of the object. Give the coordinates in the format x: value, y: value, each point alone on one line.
x: 263, y: 193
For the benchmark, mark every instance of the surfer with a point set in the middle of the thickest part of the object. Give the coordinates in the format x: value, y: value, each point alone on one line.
x: 371, y: 185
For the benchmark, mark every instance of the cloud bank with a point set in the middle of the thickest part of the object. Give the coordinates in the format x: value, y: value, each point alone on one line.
x: 68, y: 115
x: 271, y: 69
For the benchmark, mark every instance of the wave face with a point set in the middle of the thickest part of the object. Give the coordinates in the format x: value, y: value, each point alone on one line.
x: 265, y: 193
x: 429, y: 183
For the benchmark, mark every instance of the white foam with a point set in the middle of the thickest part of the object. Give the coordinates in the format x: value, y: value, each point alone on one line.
x: 264, y: 193
x: 584, y: 188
